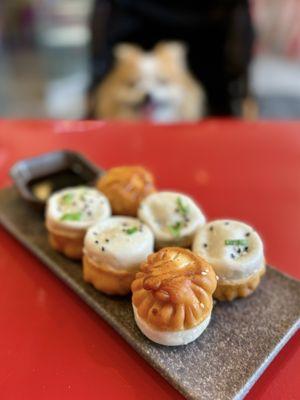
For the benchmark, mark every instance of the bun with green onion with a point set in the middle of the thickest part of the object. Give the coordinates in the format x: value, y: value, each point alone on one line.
x: 113, y: 252
x: 173, y: 217
x: 69, y: 213
x: 235, y: 251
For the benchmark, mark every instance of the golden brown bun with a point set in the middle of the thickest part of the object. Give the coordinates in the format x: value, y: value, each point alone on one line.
x: 70, y: 247
x: 107, y: 279
x: 174, y: 289
x: 126, y: 187
x: 230, y: 291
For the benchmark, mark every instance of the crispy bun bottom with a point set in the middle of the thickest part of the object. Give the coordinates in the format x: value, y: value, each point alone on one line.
x: 70, y: 247
x: 170, y: 338
x: 231, y: 290
x: 106, y: 278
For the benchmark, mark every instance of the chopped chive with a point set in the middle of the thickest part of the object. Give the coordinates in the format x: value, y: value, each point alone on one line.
x: 175, y: 228
x: 67, y: 198
x: 71, y: 216
x: 182, y: 209
x: 131, y: 230
x: 238, y: 242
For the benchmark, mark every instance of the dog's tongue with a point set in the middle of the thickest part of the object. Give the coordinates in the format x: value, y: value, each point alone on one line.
x: 147, y: 111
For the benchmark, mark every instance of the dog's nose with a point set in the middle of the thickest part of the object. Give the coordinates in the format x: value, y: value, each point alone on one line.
x: 147, y: 98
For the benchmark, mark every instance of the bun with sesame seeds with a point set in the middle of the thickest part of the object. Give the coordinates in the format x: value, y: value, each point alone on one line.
x: 126, y: 187
x: 172, y: 296
x: 113, y: 252
x: 235, y: 251
x: 69, y: 213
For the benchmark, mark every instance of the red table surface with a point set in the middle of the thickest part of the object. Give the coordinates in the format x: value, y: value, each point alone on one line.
x: 52, y: 345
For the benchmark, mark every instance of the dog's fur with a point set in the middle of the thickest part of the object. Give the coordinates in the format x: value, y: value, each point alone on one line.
x: 154, y: 85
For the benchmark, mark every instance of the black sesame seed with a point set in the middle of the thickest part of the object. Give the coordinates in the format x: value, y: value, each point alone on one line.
x: 246, y: 248
x: 211, y: 228
x: 238, y: 250
x: 107, y: 240
x: 103, y: 248
x: 96, y: 241
x: 226, y: 223
x: 247, y: 234
x: 204, y: 244
x: 232, y: 255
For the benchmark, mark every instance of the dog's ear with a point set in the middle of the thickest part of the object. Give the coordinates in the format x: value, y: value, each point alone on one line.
x: 126, y: 51
x: 176, y: 51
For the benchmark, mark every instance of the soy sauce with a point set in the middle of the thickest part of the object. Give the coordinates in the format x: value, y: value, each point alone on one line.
x: 42, y: 188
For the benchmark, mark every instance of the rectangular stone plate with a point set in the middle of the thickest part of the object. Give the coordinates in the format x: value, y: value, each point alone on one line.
x: 241, y: 340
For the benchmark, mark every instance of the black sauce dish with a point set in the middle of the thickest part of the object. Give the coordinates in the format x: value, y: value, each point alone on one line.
x: 38, y: 177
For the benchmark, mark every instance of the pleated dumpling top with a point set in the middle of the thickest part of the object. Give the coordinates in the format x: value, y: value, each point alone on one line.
x: 173, y: 291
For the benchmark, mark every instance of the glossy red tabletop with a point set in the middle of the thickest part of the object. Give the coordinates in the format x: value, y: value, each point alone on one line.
x: 52, y: 345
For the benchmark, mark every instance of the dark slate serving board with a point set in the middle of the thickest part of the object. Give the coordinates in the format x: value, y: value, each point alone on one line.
x: 241, y: 340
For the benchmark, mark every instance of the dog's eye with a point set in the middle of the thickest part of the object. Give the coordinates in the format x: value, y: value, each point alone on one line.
x: 131, y: 84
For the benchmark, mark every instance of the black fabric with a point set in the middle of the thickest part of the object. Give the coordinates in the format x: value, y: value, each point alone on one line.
x: 218, y: 34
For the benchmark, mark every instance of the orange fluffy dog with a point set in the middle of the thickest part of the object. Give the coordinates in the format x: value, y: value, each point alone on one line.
x: 152, y: 85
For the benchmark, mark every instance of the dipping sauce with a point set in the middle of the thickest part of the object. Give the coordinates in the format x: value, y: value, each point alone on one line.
x: 42, y: 188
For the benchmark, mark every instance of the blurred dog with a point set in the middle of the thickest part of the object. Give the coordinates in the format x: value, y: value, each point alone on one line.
x: 154, y: 85
x: 219, y: 35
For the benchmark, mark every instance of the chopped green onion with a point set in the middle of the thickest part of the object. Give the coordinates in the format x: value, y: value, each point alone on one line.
x: 132, y: 230
x: 183, y: 209
x: 72, y: 216
x: 238, y: 242
x: 67, y: 198
x: 175, y: 228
